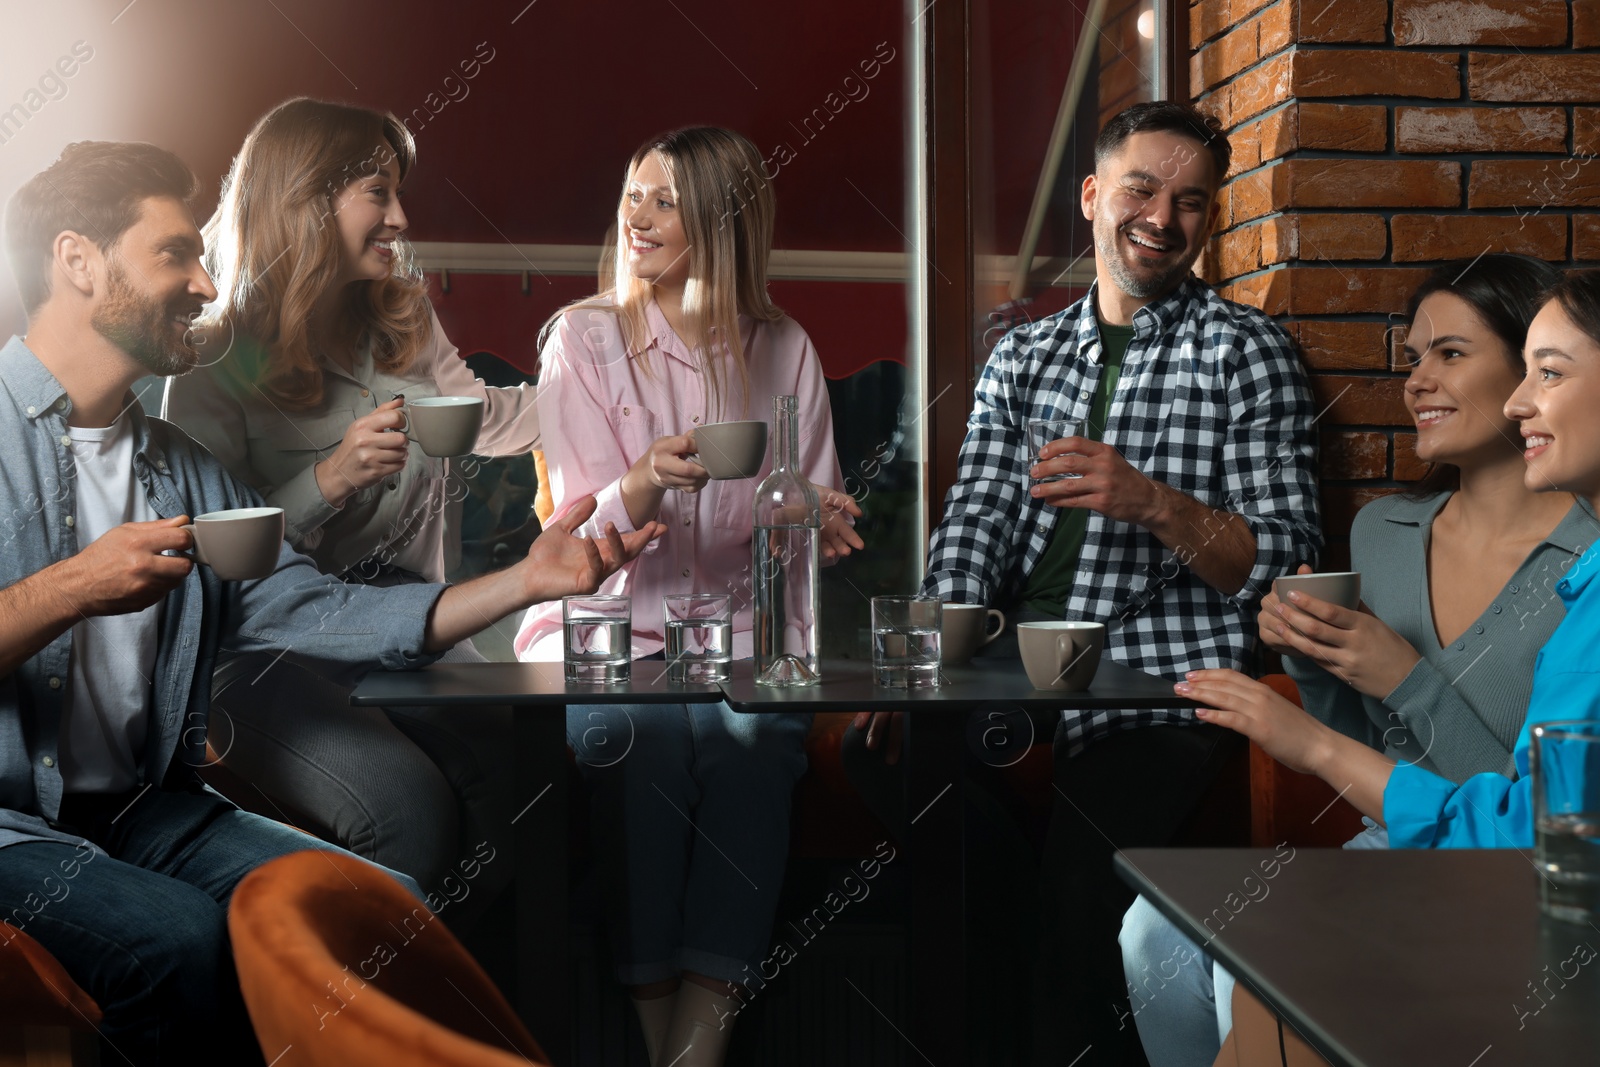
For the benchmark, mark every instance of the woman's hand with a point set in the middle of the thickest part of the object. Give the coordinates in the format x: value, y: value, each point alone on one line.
x: 883, y: 730
x: 1287, y: 733
x: 839, y: 538
x: 1354, y: 646
x: 664, y: 465
x: 373, y: 449
x: 1267, y: 620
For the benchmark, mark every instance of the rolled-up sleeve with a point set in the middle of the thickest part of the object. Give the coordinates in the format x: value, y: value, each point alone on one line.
x: 1270, y: 458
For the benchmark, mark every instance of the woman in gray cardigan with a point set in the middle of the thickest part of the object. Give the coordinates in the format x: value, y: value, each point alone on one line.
x: 1458, y: 584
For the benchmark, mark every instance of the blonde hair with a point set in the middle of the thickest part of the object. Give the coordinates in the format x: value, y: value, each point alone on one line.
x: 727, y: 209
x: 272, y: 248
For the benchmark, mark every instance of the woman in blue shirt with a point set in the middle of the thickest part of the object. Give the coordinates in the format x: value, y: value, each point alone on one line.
x: 1555, y: 405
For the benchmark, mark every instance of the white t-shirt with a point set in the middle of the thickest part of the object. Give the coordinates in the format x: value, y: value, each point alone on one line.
x: 113, y: 656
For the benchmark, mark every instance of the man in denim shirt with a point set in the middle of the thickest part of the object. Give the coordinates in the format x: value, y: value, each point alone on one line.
x: 116, y: 858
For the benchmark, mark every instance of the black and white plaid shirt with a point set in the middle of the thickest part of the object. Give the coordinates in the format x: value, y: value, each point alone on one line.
x: 1212, y: 401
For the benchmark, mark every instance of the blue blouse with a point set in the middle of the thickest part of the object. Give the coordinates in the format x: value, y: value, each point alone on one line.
x: 1423, y: 810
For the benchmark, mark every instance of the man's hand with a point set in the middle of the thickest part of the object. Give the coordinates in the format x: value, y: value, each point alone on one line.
x: 560, y: 563
x: 1109, y: 483
x: 883, y: 730
x: 123, y: 570
x: 373, y: 449
x: 839, y: 538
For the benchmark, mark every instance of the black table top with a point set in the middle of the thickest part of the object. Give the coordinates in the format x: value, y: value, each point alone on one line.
x: 848, y: 686
x: 521, y: 683
x: 1399, y: 957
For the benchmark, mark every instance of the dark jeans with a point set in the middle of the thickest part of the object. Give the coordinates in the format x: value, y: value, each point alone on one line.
x: 1133, y: 789
x: 142, y: 926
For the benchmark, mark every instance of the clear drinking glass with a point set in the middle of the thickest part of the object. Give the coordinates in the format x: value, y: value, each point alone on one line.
x: 905, y: 641
x: 1564, y: 762
x: 699, y: 629
x: 1040, y: 433
x: 599, y: 632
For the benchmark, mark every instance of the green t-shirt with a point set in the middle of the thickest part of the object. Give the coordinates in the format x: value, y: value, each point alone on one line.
x: 1050, y: 582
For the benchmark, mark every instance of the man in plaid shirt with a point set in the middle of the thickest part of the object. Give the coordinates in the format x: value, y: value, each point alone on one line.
x: 1193, y: 488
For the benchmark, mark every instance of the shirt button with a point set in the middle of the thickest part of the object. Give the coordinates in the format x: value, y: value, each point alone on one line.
x: 393, y: 486
x: 161, y: 465
x: 687, y: 521
x: 61, y: 405
x: 365, y: 393
x: 1495, y: 609
x: 1478, y: 629
x: 55, y: 683
x: 49, y: 761
x: 32, y: 410
x: 1460, y: 646
x: 697, y: 418
x: 627, y: 411
x: 70, y: 523
x: 66, y: 440
x: 686, y: 572
x: 1514, y: 588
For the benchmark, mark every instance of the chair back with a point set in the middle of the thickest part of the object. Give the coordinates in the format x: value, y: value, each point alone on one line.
x: 341, y: 966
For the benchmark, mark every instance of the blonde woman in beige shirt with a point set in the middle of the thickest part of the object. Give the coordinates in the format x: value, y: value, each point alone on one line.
x: 321, y: 332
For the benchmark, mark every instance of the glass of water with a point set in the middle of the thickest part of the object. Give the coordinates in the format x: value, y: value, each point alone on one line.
x: 1040, y: 433
x: 599, y: 632
x: 1564, y: 762
x: 905, y: 641
x: 699, y: 636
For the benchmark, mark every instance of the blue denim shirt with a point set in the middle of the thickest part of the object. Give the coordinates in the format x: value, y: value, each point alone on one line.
x: 343, y: 629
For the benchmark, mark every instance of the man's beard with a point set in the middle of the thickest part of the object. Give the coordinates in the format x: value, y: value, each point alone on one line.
x: 143, y: 328
x: 1139, y: 286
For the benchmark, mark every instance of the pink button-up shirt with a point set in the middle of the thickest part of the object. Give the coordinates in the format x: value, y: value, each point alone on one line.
x: 599, y: 411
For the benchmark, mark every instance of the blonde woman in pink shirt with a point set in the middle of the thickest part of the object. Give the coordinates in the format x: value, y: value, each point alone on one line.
x: 684, y: 334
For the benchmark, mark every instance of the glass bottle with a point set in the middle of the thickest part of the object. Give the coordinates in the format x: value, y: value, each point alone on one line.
x: 788, y: 527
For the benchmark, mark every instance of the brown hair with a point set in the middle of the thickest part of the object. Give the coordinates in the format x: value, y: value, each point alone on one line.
x: 273, y: 251
x: 95, y: 189
x: 727, y: 208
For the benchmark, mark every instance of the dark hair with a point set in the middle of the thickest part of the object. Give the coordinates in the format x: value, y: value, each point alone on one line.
x: 1578, y: 293
x: 1505, y: 291
x: 94, y: 189
x: 1165, y: 116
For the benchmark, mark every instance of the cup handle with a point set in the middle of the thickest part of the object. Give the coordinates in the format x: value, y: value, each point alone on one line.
x: 993, y: 615
x: 1065, y: 654
x: 199, y: 556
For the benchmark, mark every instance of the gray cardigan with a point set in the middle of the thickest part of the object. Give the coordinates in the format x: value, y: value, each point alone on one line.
x: 1460, y: 709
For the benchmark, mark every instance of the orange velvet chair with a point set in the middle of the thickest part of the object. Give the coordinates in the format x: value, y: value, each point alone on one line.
x: 341, y: 967
x: 46, y: 1020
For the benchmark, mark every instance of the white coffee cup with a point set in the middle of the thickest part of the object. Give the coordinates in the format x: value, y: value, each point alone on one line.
x: 1061, y: 655
x: 239, y: 544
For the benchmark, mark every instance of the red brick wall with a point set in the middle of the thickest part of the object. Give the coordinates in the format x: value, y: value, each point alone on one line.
x: 1370, y: 143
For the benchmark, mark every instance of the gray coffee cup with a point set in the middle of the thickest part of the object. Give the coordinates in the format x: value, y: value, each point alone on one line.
x: 445, y: 425
x: 731, y: 449
x: 964, y: 629
x: 1062, y: 656
x: 1336, y: 587
x: 239, y: 544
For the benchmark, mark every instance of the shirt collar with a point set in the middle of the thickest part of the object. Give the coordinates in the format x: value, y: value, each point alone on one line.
x: 664, y: 337
x: 1575, y: 532
x: 1149, y: 322
x: 37, y: 393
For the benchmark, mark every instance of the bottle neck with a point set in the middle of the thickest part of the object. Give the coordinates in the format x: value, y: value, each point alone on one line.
x: 785, y: 434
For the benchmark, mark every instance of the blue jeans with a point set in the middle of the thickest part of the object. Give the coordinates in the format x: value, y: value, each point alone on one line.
x: 142, y: 925
x: 691, y: 827
x: 1181, y: 999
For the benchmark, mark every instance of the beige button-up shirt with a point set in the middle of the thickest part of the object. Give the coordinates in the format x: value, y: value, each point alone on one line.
x: 401, y: 520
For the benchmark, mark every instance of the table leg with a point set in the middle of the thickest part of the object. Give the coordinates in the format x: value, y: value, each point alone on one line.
x: 544, y: 962
x: 937, y: 953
